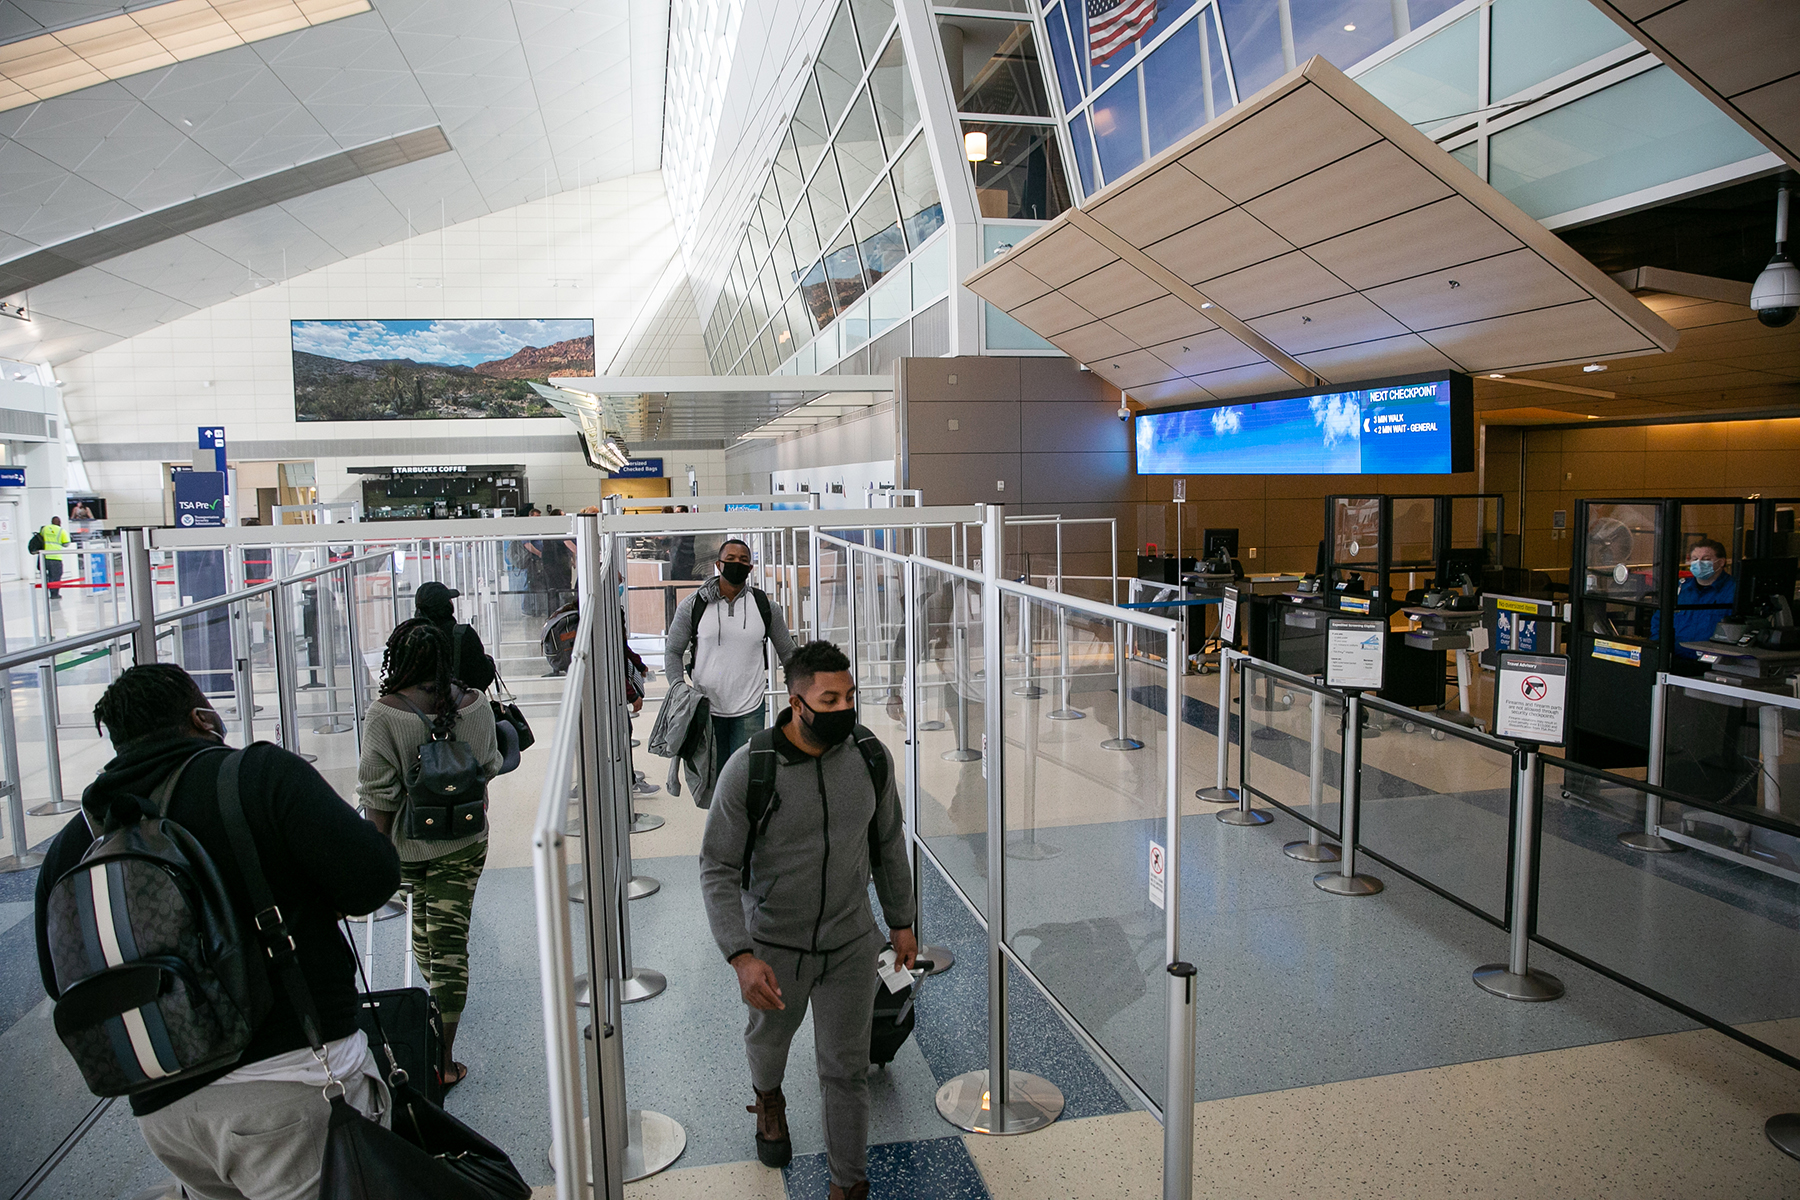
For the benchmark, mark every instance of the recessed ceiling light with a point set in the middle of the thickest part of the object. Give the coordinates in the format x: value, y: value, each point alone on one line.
x: 1349, y: 29
x: 1592, y: 417
x: 1496, y: 376
x: 1591, y: 368
x: 1208, y: 304
x: 187, y: 122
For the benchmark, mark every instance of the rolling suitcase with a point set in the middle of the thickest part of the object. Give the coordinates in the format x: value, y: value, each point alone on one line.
x: 895, y: 1015
x: 404, y: 1020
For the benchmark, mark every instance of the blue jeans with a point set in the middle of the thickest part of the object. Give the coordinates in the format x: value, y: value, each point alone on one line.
x: 731, y: 732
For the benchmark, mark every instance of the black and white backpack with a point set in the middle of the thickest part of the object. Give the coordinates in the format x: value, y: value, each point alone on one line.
x: 156, y: 977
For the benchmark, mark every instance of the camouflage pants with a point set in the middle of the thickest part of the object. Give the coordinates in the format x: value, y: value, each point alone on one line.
x: 443, y: 898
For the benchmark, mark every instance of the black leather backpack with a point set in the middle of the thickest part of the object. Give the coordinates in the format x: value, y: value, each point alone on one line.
x: 446, y: 790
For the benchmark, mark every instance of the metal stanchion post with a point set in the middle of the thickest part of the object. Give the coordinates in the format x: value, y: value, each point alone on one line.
x: 1221, y: 792
x: 286, y: 671
x: 940, y: 957
x: 359, y: 670
x: 1313, y: 850
x: 21, y: 858
x: 1345, y: 881
x: 1028, y: 687
x: 959, y: 682
x: 139, y: 579
x: 1647, y: 839
x: 998, y: 1100
x: 327, y: 618
x: 1029, y: 849
x: 1122, y: 660
x: 1178, y: 1100
x: 1243, y: 814
x: 1067, y: 712
x: 814, y: 587
x: 1515, y: 979
x: 56, y: 805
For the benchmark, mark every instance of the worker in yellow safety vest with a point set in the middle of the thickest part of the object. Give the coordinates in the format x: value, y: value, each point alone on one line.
x: 55, y: 537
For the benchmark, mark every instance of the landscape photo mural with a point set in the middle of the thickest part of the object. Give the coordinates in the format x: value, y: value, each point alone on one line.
x: 433, y: 370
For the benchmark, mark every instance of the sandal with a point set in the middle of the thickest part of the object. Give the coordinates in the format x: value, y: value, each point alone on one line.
x: 458, y: 1073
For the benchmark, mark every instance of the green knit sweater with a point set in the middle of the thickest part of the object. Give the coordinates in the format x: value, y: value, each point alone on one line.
x: 391, y: 741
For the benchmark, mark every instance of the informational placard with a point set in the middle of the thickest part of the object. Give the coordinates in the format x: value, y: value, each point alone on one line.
x: 1531, y: 698
x: 640, y: 468
x: 12, y: 476
x: 1228, y: 615
x: 212, y: 437
x: 1158, y: 868
x: 1623, y: 653
x: 1353, y: 604
x: 199, y: 499
x: 1354, y: 654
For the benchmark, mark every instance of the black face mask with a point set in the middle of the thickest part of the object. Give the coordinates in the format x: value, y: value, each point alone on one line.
x: 734, y: 573
x: 831, y: 727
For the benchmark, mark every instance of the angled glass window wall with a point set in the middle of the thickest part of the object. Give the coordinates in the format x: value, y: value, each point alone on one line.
x: 1021, y: 174
x: 993, y: 66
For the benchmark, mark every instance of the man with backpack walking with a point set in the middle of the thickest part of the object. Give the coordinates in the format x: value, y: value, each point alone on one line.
x: 801, y: 821
x: 719, y: 635
x: 168, y: 977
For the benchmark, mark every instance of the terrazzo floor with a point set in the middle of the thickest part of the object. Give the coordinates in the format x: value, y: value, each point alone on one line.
x: 1341, y: 1043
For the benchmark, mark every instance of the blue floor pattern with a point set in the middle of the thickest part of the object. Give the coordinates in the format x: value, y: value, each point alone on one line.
x: 934, y: 1169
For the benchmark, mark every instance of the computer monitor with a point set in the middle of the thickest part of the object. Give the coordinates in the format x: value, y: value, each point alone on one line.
x: 1762, y: 579
x: 1212, y: 539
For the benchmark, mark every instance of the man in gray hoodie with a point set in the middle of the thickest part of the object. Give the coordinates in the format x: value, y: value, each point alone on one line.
x: 726, y: 622
x: 794, y: 920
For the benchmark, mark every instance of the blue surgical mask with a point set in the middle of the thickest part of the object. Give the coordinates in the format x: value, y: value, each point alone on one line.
x: 1703, y: 568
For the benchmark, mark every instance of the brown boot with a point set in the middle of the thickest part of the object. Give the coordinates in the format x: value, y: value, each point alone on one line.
x: 773, y: 1146
x: 856, y: 1191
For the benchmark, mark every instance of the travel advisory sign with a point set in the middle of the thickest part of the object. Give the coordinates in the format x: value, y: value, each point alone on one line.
x: 1531, y: 698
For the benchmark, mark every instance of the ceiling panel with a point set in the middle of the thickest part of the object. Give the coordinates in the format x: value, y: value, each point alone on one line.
x: 125, y: 149
x: 1397, y: 238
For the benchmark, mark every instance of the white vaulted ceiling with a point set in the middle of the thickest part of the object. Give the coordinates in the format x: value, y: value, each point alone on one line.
x: 1310, y: 237
x: 532, y: 97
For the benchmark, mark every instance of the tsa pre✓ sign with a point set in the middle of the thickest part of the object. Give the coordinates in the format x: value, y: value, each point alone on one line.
x: 199, y: 499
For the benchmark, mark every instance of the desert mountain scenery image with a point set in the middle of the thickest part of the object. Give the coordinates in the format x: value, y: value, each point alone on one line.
x: 433, y: 370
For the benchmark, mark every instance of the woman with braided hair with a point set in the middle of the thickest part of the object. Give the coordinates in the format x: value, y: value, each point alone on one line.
x: 418, y: 700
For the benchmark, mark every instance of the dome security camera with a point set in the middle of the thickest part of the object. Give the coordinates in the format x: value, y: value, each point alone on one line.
x: 1775, y: 297
x: 1124, y: 411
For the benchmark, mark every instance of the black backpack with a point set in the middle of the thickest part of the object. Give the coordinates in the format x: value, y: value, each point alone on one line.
x: 700, y: 604
x: 761, y: 802
x: 156, y: 979
x: 446, y: 791
x: 36, y: 544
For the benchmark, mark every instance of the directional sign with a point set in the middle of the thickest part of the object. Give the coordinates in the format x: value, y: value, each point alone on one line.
x: 1530, y: 698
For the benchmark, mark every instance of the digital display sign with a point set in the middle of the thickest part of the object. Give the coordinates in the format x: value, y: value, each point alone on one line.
x: 1422, y: 425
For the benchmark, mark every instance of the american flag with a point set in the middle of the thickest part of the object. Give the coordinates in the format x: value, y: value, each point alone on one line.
x: 1112, y: 24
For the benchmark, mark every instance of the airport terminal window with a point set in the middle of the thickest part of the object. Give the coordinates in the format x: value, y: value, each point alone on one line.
x: 805, y: 235
x: 840, y: 67
x: 921, y: 212
x: 1067, y: 78
x: 1253, y: 35
x: 843, y: 270
x: 1535, y: 40
x: 1084, y: 154
x: 1118, y: 134
x: 1184, y: 84
x: 1650, y: 129
x: 994, y: 67
x: 1433, y: 80
x: 1022, y: 175
x: 811, y: 132
x: 860, y: 154
x: 872, y: 20
x: 896, y: 109
x: 878, y: 234
x: 789, y: 177
x: 826, y: 195
x: 1343, y: 32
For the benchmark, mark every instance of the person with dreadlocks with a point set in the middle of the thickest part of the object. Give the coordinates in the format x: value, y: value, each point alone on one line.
x: 419, y: 700
x: 255, y: 1127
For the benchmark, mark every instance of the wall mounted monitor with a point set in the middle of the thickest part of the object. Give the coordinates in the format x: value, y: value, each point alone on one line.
x: 1419, y: 425
x: 433, y: 370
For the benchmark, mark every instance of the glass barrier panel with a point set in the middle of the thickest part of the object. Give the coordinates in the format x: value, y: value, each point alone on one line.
x: 1736, y: 753
x: 1082, y: 815
x: 1622, y: 550
x: 1277, y: 756
x: 1697, y: 927
x: 880, y: 658
x: 833, y: 587
x: 1439, y: 806
x: 946, y: 614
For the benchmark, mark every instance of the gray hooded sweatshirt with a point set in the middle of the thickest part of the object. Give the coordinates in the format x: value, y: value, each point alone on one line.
x: 810, y: 872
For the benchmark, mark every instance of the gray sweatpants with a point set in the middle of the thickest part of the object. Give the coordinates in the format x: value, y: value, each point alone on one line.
x: 253, y: 1141
x: 840, y: 987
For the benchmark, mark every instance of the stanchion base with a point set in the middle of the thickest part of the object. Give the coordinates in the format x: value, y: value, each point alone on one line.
x: 941, y: 958
x: 1217, y: 795
x: 1034, y: 1103
x: 53, y: 808
x: 641, y: 886
x: 305, y: 757
x: 21, y: 862
x: 1783, y: 1132
x: 652, y: 1142
x: 960, y: 755
x: 1244, y: 816
x: 1029, y: 692
x: 1311, y: 852
x: 1032, y: 850
x: 645, y: 822
x: 644, y: 984
x: 1347, y: 885
x: 1649, y: 843
x: 1067, y: 714
x: 930, y: 726
x: 578, y: 892
x: 1533, y: 986
x: 1121, y: 744
x: 331, y: 728
x: 387, y: 912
